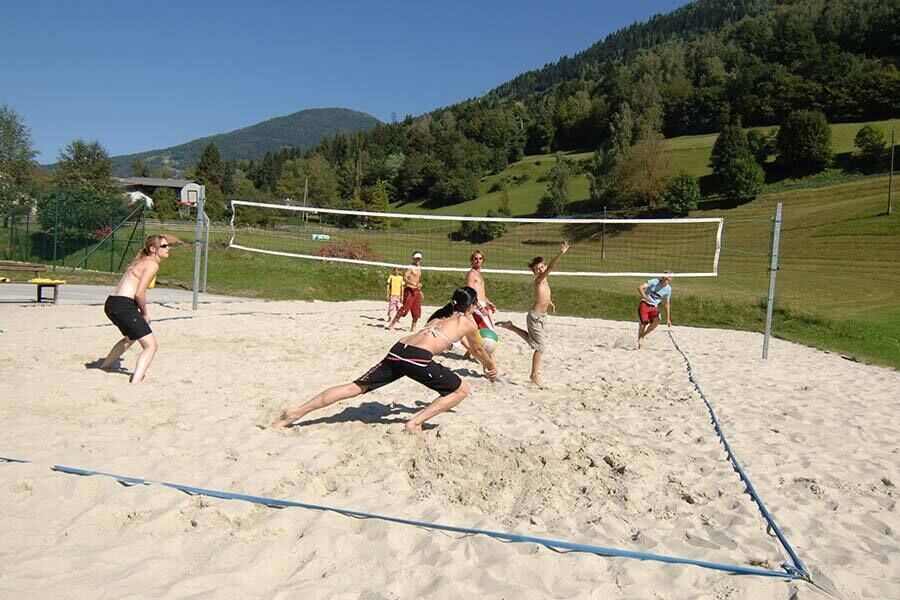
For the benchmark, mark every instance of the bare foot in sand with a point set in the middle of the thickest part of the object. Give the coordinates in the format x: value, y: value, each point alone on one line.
x: 536, y: 379
x: 285, y: 420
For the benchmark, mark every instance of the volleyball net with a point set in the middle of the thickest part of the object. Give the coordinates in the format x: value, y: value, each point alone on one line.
x: 599, y: 247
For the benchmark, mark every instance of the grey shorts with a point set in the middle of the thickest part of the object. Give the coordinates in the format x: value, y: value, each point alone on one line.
x: 536, y: 337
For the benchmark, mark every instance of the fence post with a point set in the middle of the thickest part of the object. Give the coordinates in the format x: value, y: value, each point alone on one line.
x: 773, y: 271
x: 55, y: 228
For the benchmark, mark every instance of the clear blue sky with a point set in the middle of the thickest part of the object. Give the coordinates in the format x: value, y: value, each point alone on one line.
x: 137, y: 76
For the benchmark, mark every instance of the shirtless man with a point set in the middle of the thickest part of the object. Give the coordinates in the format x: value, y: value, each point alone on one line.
x: 475, y: 280
x: 126, y: 307
x: 412, y: 293
x: 538, y: 315
x: 413, y: 357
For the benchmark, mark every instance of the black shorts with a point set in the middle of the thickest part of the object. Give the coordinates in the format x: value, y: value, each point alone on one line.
x: 412, y: 362
x: 124, y: 314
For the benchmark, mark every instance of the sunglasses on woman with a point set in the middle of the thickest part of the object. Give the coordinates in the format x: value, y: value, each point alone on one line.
x: 163, y: 245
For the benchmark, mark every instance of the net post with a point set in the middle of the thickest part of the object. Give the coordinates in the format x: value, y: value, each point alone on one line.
x: 603, y: 237
x: 198, y: 247
x: 773, y: 272
x: 205, y: 249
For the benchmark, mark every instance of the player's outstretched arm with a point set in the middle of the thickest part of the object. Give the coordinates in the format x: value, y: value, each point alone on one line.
x: 564, y: 247
x: 474, y: 347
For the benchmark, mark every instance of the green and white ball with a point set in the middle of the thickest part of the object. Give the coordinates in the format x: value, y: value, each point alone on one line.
x: 489, y: 340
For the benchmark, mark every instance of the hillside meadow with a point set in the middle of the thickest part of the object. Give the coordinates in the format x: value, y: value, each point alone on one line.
x: 688, y: 154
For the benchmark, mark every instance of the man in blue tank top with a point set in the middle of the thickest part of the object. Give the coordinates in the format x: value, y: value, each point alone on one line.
x: 653, y: 292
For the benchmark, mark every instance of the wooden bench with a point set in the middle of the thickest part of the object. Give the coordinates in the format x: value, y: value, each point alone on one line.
x: 39, y: 281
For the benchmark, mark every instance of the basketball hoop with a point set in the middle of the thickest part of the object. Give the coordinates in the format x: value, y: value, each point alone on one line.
x: 191, y: 193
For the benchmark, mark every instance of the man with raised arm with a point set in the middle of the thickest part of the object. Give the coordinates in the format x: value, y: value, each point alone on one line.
x: 412, y: 293
x: 652, y: 293
x: 537, y: 316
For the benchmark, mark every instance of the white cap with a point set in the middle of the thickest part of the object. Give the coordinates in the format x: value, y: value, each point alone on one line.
x: 417, y: 254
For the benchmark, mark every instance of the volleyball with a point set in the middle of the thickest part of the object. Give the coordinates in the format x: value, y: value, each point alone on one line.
x: 489, y: 340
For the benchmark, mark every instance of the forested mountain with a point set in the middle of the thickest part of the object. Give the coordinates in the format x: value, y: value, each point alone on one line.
x: 303, y: 129
x: 711, y: 66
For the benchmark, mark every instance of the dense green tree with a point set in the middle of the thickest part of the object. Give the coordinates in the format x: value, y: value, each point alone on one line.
x: 139, y: 169
x: 556, y: 197
x: 229, y: 169
x: 504, y: 209
x: 210, y: 170
x: 265, y: 175
x: 84, y: 165
x: 682, y: 194
x: 804, y: 141
x: 761, y: 144
x: 739, y: 175
x: 378, y: 201
x: 742, y: 180
x: 730, y: 145
x: 454, y: 187
x: 165, y: 203
x: 479, y: 232
x: 16, y: 158
x: 639, y: 178
x: 870, y: 141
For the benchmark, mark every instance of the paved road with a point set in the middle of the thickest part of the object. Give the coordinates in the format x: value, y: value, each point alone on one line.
x: 25, y: 293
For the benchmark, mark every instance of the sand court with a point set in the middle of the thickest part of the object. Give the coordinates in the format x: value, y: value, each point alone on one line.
x: 619, y: 452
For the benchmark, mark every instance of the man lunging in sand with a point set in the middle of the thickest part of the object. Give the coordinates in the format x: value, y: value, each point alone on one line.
x: 537, y: 316
x: 412, y: 292
x: 413, y: 357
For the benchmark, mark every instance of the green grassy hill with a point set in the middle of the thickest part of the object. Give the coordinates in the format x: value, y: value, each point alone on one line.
x: 689, y: 154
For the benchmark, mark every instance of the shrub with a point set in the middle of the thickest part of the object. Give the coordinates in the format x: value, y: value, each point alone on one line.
x: 352, y: 250
x: 871, y: 144
x: 479, y: 232
x: 742, y: 180
x: 682, y: 194
x: 761, y: 144
x: 498, y: 186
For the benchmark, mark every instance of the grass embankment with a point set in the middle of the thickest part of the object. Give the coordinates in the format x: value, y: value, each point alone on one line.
x: 839, y: 255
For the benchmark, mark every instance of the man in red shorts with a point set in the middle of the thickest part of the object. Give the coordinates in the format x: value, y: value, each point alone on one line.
x: 652, y: 293
x: 412, y: 292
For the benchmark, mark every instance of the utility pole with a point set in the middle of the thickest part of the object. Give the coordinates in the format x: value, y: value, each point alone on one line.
x: 305, y: 198
x: 891, y: 175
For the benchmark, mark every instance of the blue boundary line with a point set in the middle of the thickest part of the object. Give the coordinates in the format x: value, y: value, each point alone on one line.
x: 797, y: 568
x: 509, y: 537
